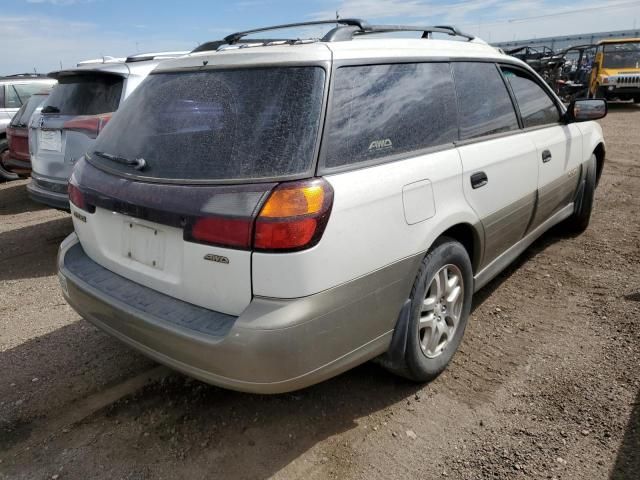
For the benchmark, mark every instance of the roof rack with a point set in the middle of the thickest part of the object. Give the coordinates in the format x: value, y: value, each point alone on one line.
x: 426, y: 30
x: 216, y: 44
x: 346, y: 29
x: 348, y: 22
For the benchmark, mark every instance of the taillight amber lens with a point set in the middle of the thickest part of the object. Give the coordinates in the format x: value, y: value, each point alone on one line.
x: 294, y: 216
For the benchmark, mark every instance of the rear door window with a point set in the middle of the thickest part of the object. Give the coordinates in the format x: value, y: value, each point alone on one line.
x: 218, y: 124
x: 382, y: 110
x: 86, y: 94
x: 483, y: 100
x: 536, y: 106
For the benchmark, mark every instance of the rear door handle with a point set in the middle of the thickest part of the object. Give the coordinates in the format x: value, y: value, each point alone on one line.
x: 479, y: 179
x: 546, y: 156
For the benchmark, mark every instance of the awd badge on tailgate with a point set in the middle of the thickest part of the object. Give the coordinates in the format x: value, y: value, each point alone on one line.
x: 216, y: 258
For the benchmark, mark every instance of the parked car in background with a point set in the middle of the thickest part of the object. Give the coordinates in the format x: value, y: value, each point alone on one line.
x: 15, y: 90
x: 16, y: 162
x: 74, y: 114
x: 266, y: 216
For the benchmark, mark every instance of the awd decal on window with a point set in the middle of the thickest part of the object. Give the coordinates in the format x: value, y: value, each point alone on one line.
x: 380, y: 145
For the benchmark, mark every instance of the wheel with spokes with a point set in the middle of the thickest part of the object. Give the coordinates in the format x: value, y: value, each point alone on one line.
x: 440, y: 305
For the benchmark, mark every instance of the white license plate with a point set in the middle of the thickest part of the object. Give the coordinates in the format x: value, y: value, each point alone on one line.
x: 50, y: 140
x: 143, y: 244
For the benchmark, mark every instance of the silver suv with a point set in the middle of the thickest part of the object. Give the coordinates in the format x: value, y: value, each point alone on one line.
x: 264, y: 217
x: 74, y: 114
x: 15, y: 90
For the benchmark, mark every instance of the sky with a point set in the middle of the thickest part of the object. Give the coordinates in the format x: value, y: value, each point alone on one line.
x: 48, y: 34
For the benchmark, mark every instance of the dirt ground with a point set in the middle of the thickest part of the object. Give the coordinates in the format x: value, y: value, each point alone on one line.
x: 546, y: 384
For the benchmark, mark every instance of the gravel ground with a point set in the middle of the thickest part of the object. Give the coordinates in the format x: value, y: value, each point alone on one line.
x: 546, y: 384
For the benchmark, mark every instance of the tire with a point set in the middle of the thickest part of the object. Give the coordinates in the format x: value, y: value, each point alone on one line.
x: 425, y: 360
x: 4, y: 174
x: 579, y: 221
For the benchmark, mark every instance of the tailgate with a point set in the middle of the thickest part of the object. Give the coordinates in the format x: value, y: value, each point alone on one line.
x: 137, y: 230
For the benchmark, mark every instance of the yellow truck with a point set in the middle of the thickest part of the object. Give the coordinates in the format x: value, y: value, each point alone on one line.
x: 616, y: 70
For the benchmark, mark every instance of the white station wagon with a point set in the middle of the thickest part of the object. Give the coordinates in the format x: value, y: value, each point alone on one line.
x: 269, y: 214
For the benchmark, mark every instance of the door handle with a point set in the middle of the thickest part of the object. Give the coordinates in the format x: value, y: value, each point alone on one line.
x: 546, y: 156
x: 478, y: 180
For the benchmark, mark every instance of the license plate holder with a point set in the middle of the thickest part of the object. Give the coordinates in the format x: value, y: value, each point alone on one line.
x: 50, y: 140
x: 143, y: 244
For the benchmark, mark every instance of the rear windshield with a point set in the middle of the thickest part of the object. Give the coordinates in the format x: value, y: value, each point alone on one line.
x: 86, y: 94
x: 218, y: 124
x: 21, y: 119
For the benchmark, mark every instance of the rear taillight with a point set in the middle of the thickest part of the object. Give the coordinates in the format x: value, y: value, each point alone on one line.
x: 90, y: 125
x: 79, y: 199
x: 294, y: 216
x: 229, y: 232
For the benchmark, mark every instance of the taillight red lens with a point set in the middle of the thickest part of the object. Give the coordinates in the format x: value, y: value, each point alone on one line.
x: 90, y: 125
x: 230, y: 232
x: 294, y: 217
x: 76, y: 197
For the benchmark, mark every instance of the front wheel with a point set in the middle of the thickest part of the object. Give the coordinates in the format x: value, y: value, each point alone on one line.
x: 439, y: 310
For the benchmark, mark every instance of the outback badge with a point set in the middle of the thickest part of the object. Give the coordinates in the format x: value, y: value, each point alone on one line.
x: 216, y: 258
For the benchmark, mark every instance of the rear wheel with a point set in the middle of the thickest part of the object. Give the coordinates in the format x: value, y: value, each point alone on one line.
x: 4, y: 174
x: 579, y: 221
x: 440, y: 305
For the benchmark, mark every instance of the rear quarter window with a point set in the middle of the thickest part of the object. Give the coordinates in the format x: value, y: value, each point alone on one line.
x: 382, y: 110
x: 483, y: 100
x: 85, y: 94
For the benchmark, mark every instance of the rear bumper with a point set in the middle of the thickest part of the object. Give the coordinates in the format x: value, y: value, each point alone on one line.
x: 11, y: 164
x: 51, y: 193
x: 274, y: 346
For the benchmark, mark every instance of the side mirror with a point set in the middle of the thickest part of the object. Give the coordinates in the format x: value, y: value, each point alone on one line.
x: 585, y: 110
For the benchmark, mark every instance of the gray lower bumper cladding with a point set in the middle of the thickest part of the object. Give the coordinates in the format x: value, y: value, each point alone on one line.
x: 274, y: 346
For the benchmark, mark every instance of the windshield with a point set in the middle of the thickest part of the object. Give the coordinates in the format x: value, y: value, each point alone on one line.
x: 86, y: 94
x: 622, y: 55
x: 21, y: 119
x: 217, y: 125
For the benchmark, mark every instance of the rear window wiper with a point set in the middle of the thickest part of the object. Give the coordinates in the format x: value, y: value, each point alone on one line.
x: 137, y: 163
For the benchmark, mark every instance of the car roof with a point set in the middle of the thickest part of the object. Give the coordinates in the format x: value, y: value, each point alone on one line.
x: 26, y: 79
x: 365, y: 49
x: 141, y: 64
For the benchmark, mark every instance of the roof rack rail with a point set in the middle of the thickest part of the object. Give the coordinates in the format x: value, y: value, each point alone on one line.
x: 346, y: 29
x: 426, y: 30
x: 345, y: 22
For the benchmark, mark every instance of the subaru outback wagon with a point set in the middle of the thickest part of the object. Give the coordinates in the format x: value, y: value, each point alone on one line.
x: 270, y: 214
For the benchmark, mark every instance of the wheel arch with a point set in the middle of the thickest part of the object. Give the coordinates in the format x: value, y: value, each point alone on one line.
x: 599, y: 152
x: 470, y: 237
